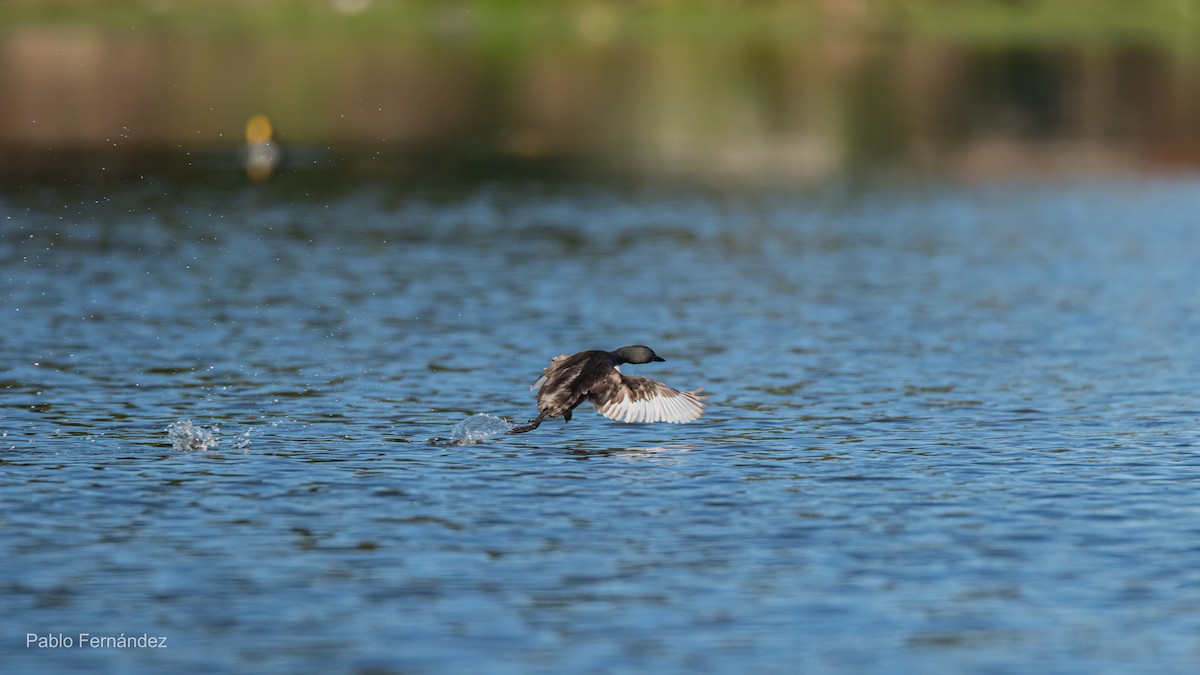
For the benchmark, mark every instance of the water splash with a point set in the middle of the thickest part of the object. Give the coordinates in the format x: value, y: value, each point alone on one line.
x: 242, y: 441
x: 477, y: 428
x: 187, y: 436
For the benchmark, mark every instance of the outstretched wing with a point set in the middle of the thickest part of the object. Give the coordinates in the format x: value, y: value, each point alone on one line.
x: 639, y: 399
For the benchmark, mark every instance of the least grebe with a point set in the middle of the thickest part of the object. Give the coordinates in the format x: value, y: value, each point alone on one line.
x: 596, y: 376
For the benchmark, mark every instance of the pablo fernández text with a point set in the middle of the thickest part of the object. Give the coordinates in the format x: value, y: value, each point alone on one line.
x: 89, y: 641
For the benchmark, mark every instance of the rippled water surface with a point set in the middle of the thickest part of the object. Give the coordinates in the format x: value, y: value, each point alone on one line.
x: 951, y: 429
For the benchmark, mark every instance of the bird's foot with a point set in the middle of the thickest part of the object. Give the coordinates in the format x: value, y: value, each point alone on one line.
x: 529, y: 426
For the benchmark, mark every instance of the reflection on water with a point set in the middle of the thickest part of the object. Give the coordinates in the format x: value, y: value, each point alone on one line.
x: 955, y: 425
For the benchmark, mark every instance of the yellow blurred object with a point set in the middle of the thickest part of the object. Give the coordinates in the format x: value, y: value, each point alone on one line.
x: 258, y: 130
x: 262, y: 153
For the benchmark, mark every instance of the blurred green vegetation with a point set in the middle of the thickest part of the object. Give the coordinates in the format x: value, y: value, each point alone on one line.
x: 976, y: 21
x: 732, y: 88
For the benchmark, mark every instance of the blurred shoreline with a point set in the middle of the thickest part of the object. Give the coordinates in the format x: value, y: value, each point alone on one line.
x: 840, y: 94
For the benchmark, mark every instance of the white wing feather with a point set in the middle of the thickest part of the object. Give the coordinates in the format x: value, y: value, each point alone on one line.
x: 668, y: 405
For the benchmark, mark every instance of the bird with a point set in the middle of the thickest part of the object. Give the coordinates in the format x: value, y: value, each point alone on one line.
x: 596, y: 376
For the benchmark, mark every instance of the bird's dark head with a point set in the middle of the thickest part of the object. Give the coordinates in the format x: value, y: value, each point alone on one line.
x: 636, y: 354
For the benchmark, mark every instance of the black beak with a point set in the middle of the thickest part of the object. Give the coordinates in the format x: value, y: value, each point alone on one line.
x: 656, y: 357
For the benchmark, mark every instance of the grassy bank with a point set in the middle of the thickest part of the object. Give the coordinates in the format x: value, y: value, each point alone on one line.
x: 987, y: 21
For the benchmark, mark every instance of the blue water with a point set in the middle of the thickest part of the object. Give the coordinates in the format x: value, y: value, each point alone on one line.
x: 952, y: 429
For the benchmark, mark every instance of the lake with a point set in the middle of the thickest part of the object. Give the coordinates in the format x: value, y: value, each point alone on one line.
x: 951, y: 427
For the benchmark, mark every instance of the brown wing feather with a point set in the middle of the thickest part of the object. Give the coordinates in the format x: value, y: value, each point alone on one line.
x: 537, y: 384
x: 563, y: 384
